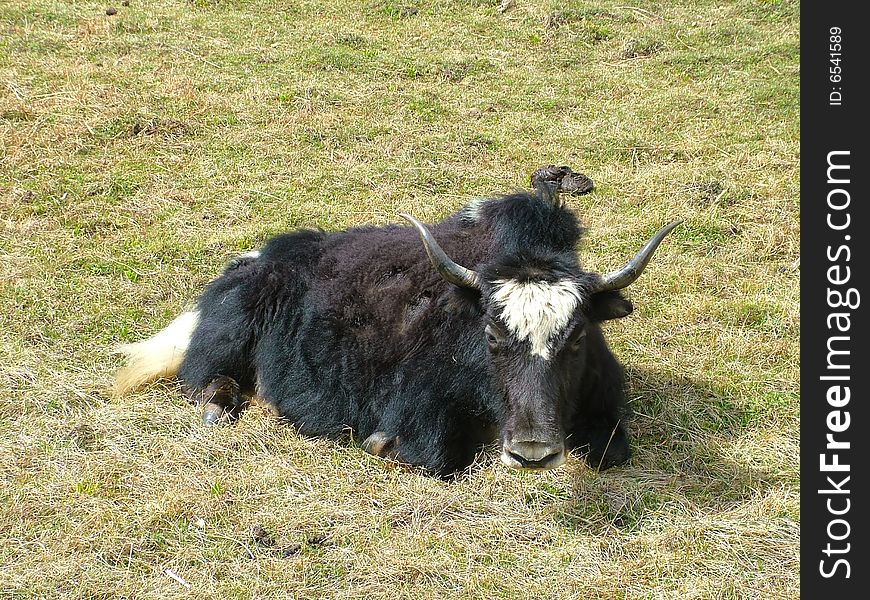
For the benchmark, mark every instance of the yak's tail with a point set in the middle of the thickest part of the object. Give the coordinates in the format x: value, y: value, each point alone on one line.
x: 157, y: 357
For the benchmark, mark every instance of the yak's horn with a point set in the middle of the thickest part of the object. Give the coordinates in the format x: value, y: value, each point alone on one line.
x: 449, y: 270
x: 630, y: 272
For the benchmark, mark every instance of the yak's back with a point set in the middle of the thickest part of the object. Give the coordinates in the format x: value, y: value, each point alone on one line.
x: 525, y: 223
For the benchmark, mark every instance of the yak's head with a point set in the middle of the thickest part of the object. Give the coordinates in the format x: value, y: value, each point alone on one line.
x: 541, y: 315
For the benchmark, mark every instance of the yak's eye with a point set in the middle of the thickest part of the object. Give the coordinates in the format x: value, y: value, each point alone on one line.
x: 576, y: 339
x: 493, y: 337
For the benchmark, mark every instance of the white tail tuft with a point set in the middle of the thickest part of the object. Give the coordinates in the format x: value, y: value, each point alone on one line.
x: 157, y: 357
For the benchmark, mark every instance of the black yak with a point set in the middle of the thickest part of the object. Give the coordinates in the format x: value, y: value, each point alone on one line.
x: 355, y: 331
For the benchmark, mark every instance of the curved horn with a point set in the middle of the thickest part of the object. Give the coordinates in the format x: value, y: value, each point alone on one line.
x: 627, y: 275
x: 449, y: 270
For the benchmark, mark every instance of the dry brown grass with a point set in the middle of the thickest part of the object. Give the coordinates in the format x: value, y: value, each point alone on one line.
x: 139, y: 151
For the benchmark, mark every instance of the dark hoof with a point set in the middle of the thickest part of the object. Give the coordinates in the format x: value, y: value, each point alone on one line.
x: 221, y: 400
x: 212, y: 414
x: 382, y: 445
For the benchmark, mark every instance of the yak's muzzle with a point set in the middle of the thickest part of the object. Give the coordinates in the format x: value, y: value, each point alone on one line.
x: 533, y: 454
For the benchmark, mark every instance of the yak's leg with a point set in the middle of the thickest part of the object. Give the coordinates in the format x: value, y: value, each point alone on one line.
x: 215, y: 371
x: 220, y: 398
x: 433, y: 432
x: 599, y: 429
x: 217, y: 367
x: 604, y: 441
x: 408, y: 452
x: 383, y: 445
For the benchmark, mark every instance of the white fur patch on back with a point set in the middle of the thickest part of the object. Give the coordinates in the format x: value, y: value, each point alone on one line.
x: 471, y: 211
x: 536, y: 310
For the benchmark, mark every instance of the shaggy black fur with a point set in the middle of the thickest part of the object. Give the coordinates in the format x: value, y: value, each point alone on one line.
x: 356, y: 330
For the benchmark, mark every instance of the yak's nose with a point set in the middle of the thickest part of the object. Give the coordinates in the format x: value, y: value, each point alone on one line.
x: 533, y: 454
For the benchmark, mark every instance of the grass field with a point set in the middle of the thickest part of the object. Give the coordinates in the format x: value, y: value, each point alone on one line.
x: 139, y: 151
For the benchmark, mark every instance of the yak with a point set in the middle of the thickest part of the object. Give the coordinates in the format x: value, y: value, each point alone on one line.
x: 369, y: 332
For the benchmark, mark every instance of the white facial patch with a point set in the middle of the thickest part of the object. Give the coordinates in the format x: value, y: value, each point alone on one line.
x: 536, y: 310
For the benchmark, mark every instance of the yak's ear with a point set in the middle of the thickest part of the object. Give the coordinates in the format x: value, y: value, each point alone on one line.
x: 609, y: 305
x: 463, y: 301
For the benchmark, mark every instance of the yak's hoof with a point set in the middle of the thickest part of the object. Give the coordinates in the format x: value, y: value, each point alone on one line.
x: 382, y: 445
x: 212, y: 413
x: 220, y: 400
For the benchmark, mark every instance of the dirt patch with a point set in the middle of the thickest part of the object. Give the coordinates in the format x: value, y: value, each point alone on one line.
x: 634, y: 48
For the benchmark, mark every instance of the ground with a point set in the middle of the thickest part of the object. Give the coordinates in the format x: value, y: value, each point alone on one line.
x: 141, y: 150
